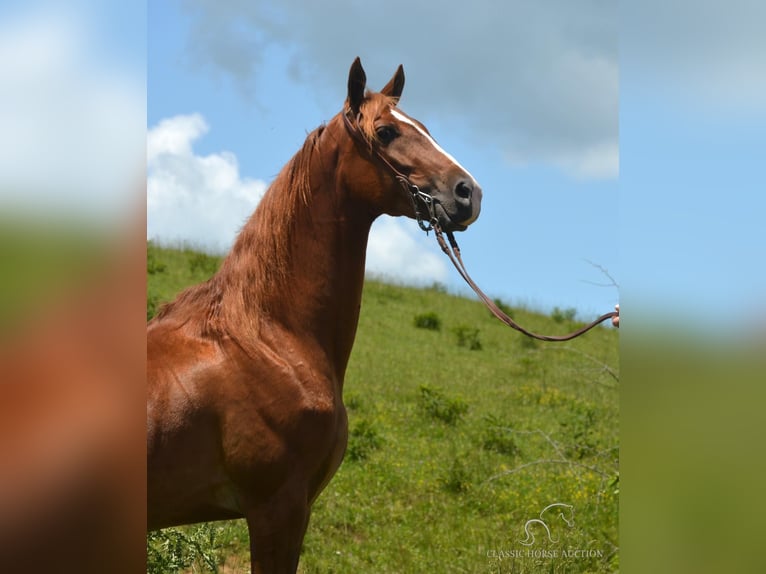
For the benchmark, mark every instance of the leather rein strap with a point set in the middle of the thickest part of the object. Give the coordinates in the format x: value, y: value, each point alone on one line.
x: 453, y: 250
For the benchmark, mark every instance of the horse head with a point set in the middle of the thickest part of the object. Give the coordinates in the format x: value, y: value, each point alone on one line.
x: 399, y: 168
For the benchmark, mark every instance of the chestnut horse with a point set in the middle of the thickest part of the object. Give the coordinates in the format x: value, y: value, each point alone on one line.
x: 245, y: 371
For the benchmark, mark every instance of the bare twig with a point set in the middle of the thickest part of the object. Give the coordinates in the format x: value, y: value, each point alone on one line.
x: 604, y: 367
x: 546, y: 461
x: 547, y: 438
x: 612, y: 282
x: 556, y: 447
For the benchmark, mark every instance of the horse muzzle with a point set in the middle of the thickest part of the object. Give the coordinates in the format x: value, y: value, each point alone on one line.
x: 457, y: 209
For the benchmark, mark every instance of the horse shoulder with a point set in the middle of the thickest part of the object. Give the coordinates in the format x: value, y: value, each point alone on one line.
x: 179, y: 365
x: 283, y: 415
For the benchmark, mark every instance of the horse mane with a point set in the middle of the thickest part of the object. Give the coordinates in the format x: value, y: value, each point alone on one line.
x: 260, y: 252
x: 265, y: 235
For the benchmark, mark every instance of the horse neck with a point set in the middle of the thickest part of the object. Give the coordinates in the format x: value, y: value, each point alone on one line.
x: 301, y: 273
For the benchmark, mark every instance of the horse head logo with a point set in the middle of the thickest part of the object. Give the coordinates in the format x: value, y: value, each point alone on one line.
x: 564, y: 511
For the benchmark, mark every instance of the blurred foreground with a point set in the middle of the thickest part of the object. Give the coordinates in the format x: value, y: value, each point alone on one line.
x: 72, y: 414
x: 72, y: 288
x: 692, y: 464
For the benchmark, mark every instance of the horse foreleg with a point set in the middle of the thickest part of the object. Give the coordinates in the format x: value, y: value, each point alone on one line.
x: 276, y: 535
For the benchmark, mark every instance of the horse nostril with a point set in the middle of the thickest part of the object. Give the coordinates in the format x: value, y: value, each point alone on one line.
x: 464, y: 190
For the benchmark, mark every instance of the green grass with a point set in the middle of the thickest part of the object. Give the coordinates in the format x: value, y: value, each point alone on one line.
x: 445, y: 479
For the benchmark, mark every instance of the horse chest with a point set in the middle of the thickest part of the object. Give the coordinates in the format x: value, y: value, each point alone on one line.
x: 281, y: 422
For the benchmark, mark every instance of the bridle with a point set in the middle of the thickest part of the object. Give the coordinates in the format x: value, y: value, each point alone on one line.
x: 452, y: 250
x: 412, y: 190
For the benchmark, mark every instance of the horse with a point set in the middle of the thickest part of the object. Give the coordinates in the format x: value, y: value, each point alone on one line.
x: 245, y: 372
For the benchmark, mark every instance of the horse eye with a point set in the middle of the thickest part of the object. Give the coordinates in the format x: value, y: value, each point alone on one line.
x: 386, y: 134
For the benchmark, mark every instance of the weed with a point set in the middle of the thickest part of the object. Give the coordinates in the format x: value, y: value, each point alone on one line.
x: 153, y: 265
x: 172, y: 550
x: 362, y: 440
x: 561, y: 315
x: 203, y: 263
x: 430, y: 321
x: 458, y: 479
x: 580, y: 424
x: 437, y: 405
x: 468, y: 337
x: 353, y: 401
x: 497, y: 438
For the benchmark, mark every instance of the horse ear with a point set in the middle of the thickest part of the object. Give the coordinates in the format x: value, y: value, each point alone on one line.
x: 395, y: 85
x: 357, y: 81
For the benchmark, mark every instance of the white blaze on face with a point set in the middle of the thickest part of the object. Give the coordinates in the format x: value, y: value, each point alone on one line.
x: 402, y: 118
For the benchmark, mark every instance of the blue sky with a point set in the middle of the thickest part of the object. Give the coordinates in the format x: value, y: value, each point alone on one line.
x: 546, y: 211
x: 693, y: 212
x: 692, y: 141
x: 535, y: 99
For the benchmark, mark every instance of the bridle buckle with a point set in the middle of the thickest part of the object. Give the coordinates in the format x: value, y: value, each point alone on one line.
x: 427, y: 200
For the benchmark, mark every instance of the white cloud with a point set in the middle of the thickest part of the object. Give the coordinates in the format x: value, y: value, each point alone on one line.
x: 201, y: 200
x: 72, y: 137
x: 174, y: 136
x: 396, y: 252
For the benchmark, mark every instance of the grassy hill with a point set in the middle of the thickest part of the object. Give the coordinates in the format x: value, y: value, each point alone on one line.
x: 461, y: 432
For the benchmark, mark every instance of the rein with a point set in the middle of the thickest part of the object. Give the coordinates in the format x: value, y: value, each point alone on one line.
x: 453, y: 250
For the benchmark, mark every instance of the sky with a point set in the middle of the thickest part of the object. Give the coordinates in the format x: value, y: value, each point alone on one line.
x: 693, y: 150
x: 72, y: 107
x: 612, y: 145
x: 524, y: 96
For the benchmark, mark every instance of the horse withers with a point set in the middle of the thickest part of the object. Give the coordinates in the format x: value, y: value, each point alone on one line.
x: 245, y: 371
